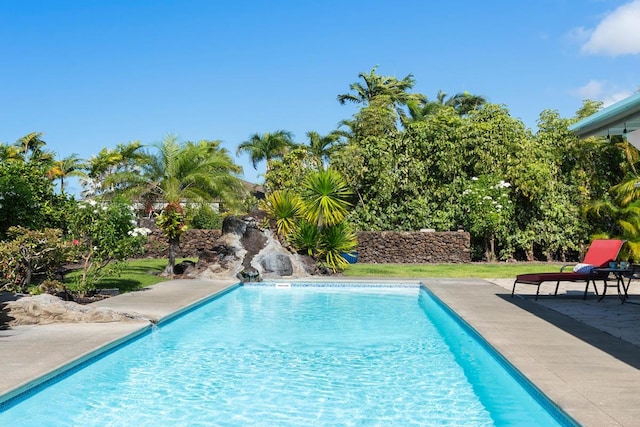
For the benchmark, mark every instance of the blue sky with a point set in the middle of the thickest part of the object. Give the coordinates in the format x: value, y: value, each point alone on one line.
x: 91, y: 74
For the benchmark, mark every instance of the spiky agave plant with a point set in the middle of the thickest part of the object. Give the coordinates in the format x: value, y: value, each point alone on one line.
x: 326, y: 198
x: 305, y: 237
x: 283, y: 206
x: 333, y: 242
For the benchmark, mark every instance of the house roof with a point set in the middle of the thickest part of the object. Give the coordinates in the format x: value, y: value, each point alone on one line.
x: 617, y: 119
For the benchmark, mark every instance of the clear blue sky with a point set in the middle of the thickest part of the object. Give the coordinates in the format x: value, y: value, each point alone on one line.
x: 91, y: 74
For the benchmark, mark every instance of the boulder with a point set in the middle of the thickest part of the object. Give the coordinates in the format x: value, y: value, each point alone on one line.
x: 45, y: 309
x: 279, y: 264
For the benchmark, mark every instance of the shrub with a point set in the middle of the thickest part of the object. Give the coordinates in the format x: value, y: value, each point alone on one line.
x: 30, y: 253
x: 204, y: 217
x: 105, y: 234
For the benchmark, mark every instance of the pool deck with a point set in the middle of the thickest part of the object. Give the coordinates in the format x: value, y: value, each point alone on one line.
x: 584, y: 355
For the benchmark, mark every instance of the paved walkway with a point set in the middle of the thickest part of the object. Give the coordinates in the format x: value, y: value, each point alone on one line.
x: 30, y: 354
x: 558, y: 343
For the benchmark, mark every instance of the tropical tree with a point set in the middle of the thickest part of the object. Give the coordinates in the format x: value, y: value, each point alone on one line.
x: 320, y: 147
x: 9, y: 153
x: 396, y: 92
x: 268, y: 146
x: 27, y: 198
x: 110, y: 170
x: 185, y: 173
x: 462, y: 102
x: 69, y: 166
x: 31, y: 148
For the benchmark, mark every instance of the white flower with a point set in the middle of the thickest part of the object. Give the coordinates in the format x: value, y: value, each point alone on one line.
x: 139, y: 231
x: 92, y: 202
x: 486, y: 198
x: 475, y: 178
x: 82, y: 206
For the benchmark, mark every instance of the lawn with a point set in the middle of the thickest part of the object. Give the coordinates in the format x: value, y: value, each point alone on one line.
x: 477, y: 270
x: 136, y: 274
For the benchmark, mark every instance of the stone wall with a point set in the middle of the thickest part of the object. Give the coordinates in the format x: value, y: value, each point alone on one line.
x: 377, y: 247
x: 402, y: 247
x: 191, y: 242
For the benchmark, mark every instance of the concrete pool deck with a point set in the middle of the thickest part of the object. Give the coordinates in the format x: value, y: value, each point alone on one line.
x: 583, y: 355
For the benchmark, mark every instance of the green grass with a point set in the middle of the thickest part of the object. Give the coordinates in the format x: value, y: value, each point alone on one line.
x: 141, y: 273
x: 136, y: 274
x: 479, y: 270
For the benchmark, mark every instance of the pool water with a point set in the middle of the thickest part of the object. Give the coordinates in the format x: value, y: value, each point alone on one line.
x: 312, y: 356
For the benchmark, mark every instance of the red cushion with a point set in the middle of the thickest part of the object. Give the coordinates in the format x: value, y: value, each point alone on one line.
x: 601, y: 252
x: 568, y: 276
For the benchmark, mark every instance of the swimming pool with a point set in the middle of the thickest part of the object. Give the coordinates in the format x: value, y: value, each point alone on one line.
x: 296, y: 356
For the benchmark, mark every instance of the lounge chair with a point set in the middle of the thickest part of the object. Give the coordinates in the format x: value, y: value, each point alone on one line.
x: 599, y: 254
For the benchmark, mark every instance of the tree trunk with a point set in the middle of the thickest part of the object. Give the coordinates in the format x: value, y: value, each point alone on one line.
x: 173, y: 250
x: 489, y: 249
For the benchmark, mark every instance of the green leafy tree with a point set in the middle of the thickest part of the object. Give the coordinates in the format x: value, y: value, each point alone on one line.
x: 290, y: 171
x: 27, y: 198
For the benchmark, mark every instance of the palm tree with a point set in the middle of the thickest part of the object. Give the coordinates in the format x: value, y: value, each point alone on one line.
x: 392, y: 91
x: 186, y: 172
x: 465, y: 102
x: 31, y: 149
x: 268, y: 146
x: 9, y: 153
x: 111, y: 169
x: 320, y: 147
x: 462, y: 102
x: 71, y: 165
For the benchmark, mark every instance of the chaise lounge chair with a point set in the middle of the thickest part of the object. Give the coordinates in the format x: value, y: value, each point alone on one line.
x: 599, y: 254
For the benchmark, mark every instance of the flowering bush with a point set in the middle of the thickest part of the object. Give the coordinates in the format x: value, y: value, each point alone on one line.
x: 488, y: 211
x: 105, y: 235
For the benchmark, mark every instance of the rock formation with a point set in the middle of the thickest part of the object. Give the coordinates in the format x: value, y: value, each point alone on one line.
x: 45, y: 309
x: 249, y: 254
